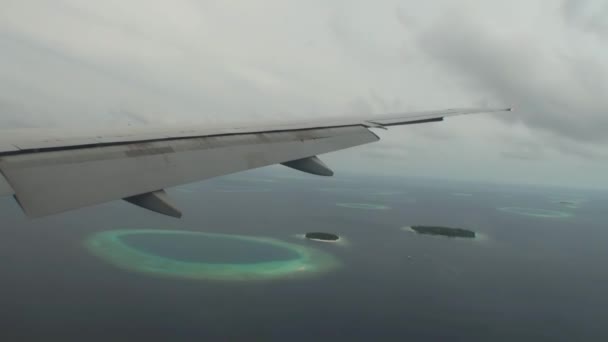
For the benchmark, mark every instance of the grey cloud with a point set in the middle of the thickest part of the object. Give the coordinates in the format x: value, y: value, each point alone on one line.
x: 130, y: 117
x: 544, y: 146
x: 15, y: 115
x: 587, y: 15
x: 524, y: 151
x: 558, y: 90
x: 359, y: 106
x: 524, y: 155
x: 406, y: 19
x: 113, y: 63
x: 394, y: 154
x: 392, y: 148
x: 60, y: 84
x: 582, y: 150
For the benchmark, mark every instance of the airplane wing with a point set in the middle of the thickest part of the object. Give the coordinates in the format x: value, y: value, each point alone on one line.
x: 50, y: 172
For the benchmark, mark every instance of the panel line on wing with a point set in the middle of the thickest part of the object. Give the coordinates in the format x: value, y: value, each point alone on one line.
x: 5, y: 188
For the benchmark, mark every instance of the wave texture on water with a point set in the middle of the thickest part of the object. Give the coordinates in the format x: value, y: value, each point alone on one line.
x: 533, y: 212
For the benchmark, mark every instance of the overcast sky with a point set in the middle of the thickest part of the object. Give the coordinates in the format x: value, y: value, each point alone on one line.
x: 135, y: 62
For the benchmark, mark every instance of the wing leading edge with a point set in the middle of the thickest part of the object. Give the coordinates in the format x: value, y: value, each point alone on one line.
x: 52, y: 175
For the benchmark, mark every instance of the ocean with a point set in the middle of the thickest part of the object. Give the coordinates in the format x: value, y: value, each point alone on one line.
x: 535, y: 272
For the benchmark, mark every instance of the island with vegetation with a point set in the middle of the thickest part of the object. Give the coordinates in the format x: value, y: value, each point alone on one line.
x: 322, y: 236
x: 570, y: 204
x: 444, y: 231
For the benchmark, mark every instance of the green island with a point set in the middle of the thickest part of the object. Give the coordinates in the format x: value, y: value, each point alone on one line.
x: 570, y: 204
x: 444, y: 231
x: 207, y: 256
x: 322, y: 236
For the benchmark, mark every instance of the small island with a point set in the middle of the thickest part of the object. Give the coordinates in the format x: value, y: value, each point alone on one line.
x: 322, y: 236
x: 569, y: 204
x: 444, y: 231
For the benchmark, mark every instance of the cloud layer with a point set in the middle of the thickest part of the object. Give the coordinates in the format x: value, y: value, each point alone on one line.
x: 116, y: 63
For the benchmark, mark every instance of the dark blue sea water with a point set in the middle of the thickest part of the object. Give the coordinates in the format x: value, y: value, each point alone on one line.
x: 524, y: 279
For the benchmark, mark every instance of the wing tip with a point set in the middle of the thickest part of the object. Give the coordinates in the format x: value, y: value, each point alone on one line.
x: 495, y: 109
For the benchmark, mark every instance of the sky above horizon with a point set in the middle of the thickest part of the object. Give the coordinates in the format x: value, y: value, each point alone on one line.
x: 133, y: 62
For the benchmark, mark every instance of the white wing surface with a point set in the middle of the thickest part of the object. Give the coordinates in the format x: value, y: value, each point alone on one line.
x: 50, y: 171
